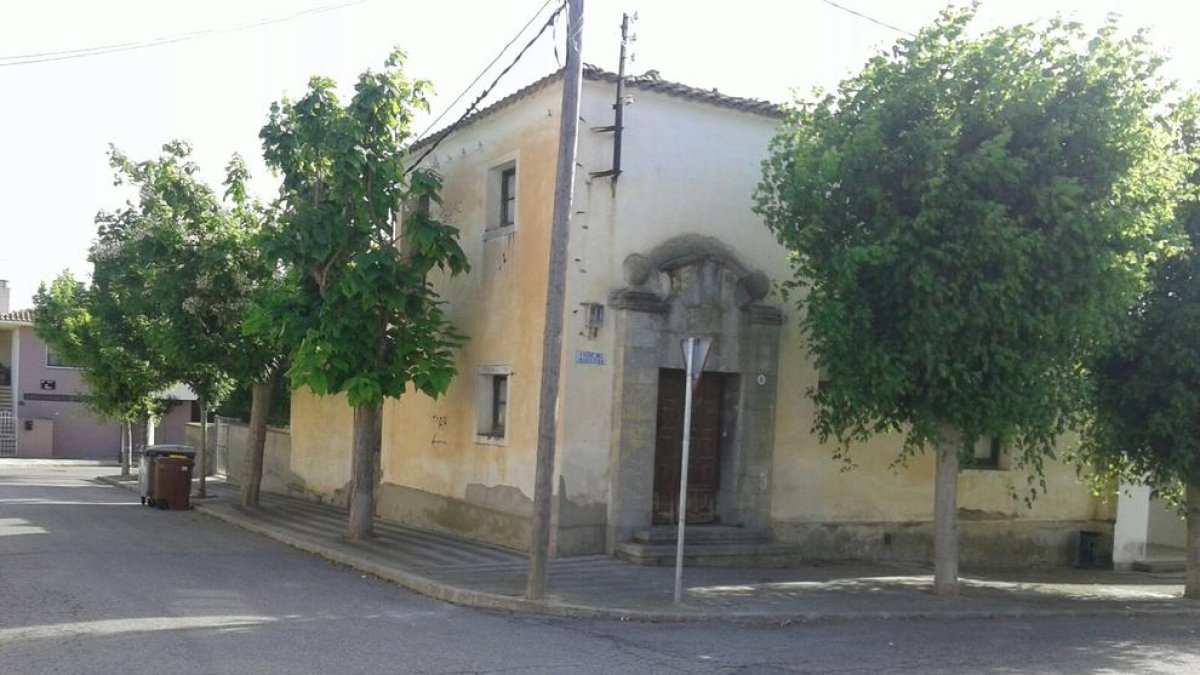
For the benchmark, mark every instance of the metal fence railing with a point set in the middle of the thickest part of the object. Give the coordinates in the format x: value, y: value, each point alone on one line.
x: 8, y: 434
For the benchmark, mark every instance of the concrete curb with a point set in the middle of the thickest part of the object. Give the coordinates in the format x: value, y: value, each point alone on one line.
x: 58, y: 462
x: 505, y: 603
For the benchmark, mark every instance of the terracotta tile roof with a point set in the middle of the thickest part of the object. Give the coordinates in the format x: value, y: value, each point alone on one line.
x: 18, y: 316
x: 652, y: 82
x: 648, y: 82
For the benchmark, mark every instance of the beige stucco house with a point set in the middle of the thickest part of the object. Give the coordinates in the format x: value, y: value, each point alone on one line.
x: 667, y: 249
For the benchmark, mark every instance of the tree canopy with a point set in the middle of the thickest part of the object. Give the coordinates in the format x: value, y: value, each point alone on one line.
x: 88, y: 329
x: 970, y: 218
x: 368, y: 322
x: 1147, y: 421
x: 187, y: 269
x: 177, y: 246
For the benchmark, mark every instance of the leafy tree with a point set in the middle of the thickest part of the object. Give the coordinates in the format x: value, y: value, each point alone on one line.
x: 190, y: 265
x: 88, y: 328
x: 970, y: 218
x: 366, y: 321
x: 171, y: 248
x: 1147, y: 420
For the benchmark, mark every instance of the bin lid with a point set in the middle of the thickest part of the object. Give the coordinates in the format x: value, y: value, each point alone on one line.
x: 161, y: 450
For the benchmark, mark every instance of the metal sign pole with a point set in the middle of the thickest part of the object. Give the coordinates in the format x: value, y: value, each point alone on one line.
x: 688, y: 356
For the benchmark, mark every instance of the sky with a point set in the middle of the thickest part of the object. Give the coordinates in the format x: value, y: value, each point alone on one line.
x: 58, y: 117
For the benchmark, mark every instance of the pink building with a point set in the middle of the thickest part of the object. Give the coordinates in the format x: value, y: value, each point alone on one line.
x: 42, y: 410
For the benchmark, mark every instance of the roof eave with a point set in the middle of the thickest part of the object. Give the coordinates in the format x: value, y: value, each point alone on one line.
x: 594, y: 74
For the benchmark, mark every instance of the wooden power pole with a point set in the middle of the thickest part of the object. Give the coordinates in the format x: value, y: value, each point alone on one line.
x: 564, y: 186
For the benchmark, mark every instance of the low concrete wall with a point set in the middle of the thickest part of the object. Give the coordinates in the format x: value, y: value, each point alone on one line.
x: 35, y: 437
x: 227, y: 446
x: 1164, y: 526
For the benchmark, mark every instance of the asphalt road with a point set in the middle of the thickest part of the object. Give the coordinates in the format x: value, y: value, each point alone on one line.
x: 92, y: 582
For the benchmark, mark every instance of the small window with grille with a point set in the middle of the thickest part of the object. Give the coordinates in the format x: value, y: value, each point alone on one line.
x: 988, y: 453
x: 491, y: 404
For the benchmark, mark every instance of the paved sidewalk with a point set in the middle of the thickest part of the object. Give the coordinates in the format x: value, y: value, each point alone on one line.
x: 473, y: 574
x: 41, y: 463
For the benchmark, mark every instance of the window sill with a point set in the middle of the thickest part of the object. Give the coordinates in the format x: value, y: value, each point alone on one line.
x: 497, y: 232
x: 484, y: 439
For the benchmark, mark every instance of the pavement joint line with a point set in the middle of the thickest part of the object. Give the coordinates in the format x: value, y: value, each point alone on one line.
x: 467, y: 597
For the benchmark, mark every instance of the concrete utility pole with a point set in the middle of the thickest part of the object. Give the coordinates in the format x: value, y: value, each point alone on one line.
x: 564, y: 186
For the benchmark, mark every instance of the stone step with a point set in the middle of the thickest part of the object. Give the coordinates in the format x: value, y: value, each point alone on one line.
x: 761, y: 554
x: 701, y: 534
x: 1160, y: 566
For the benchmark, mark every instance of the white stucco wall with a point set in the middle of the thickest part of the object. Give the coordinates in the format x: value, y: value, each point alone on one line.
x: 1165, y: 527
x: 1131, y: 529
x: 687, y: 168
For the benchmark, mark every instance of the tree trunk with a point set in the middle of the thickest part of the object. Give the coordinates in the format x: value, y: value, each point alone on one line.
x: 945, y: 515
x: 126, y: 449
x: 252, y: 461
x: 1191, y: 577
x: 137, y: 437
x: 368, y: 428
x: 202, y: 453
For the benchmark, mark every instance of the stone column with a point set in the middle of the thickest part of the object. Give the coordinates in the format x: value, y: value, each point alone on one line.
x: 638, y: 322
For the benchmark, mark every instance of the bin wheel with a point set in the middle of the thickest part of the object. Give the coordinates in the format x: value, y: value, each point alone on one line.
x: 149, y: 501
x: 143, y: 501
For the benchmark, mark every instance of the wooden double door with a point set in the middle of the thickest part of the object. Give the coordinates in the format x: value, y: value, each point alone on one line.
x: 704, y: 456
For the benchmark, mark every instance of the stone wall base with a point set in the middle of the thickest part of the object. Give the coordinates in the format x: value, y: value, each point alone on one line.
x: 1009, y: 543
x: 428, y: 511
x: 496, y: 515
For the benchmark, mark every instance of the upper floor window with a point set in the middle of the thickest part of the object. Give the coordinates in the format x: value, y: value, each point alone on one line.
x: 501, y: 207
x: 498, y: 413
x: 508, y: 197
x: 55, y: 361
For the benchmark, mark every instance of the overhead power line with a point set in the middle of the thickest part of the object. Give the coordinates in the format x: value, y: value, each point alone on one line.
x: 483, y: 94
x: 67, y: 54
x: 486, y: 68
x: 872, y: 19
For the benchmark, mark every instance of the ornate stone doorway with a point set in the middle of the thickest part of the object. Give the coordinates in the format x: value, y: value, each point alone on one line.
x: 692, y: 285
